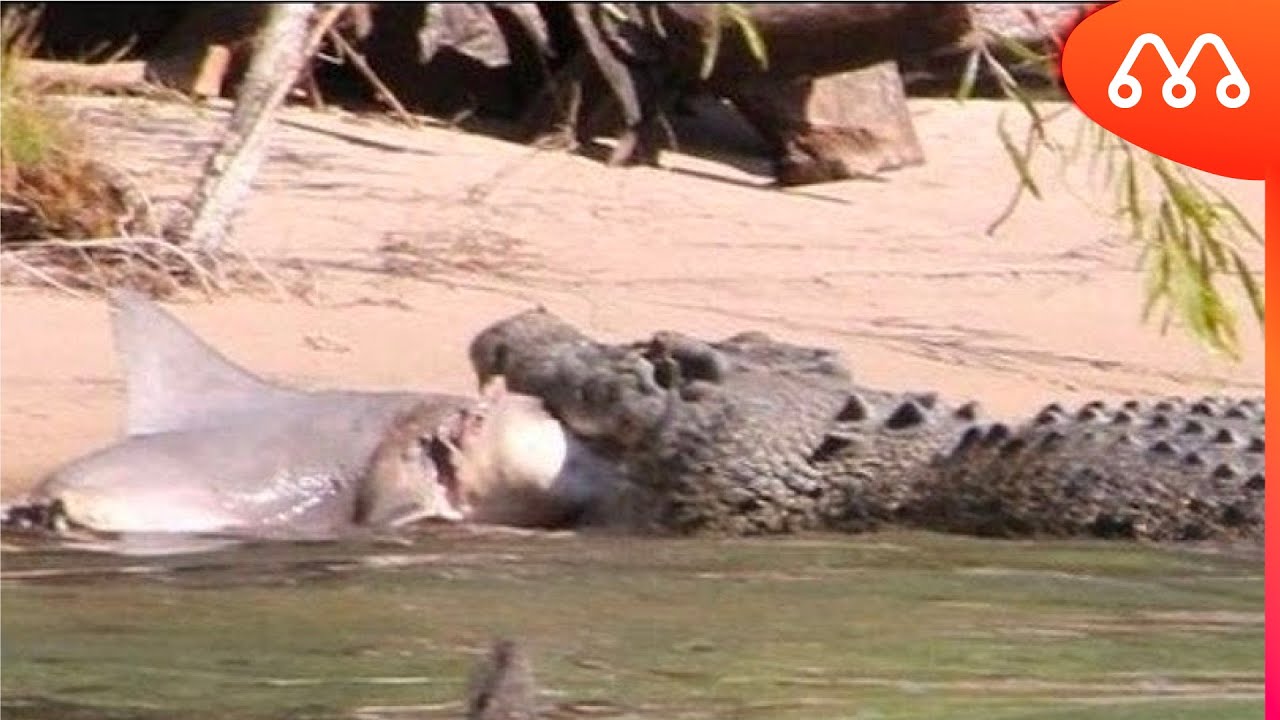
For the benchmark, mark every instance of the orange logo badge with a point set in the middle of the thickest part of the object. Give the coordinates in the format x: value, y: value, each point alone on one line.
x: 1193, y: 81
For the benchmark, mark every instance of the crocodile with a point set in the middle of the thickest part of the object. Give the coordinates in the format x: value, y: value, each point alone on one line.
x: 751, y: 435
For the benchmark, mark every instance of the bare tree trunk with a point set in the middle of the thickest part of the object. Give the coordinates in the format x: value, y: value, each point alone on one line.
x: 219, y: 197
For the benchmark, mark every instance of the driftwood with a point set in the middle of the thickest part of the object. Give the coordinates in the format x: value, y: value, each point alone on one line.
x: 828, y: 100
x: 381, y: 91
x: 125, y: 76
x: 285, y: 45
x: 575, y: 71
x: 814, y: 39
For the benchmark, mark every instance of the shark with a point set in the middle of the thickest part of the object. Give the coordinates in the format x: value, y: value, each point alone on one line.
x: 212, y: 448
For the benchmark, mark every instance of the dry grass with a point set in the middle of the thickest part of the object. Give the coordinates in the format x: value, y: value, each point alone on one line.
x: 67, y: 218
x: 70, y: 220
x: 50, y: 185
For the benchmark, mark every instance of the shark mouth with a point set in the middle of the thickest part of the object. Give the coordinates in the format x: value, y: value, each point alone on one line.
x: 444, y: 454
x: 447, y: 448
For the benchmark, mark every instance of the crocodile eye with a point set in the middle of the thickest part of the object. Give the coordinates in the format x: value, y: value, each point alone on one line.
x: 666, y: 373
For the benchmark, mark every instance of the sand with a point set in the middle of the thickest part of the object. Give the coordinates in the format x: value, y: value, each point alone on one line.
x: 397, y: 245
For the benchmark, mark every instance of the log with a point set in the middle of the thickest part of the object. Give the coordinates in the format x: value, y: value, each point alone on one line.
x: 816, y: 39
x: 824, y: 117
x: 124, y: 76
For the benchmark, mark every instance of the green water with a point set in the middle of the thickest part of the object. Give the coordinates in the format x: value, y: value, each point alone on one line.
x: 895, y: 625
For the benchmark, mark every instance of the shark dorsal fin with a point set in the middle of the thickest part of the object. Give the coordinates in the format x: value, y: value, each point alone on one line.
x: 173, y: 379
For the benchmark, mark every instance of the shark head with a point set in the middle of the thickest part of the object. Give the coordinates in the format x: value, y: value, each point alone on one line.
x: 412, y: 474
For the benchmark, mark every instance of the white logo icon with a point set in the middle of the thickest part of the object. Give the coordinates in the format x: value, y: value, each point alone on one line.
x: 1178, y: 74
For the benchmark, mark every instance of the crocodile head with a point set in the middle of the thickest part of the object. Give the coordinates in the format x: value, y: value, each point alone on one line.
x: 719, y: 435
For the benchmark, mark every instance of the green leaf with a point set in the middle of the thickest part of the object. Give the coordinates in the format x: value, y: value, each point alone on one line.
x: 1133, y: 198
x: 755, y: 42
x: 1077, y: 143
x: 614, y: 11
x: 1257, y: 299
x: 1187, y: 230
x: 1160, y: 280
x: 1013, y: 90
x: 1241, y: 220
x: 1157, y: 282
x: 970, y: 76
x: 1022, y: 52
x: 712, y: 40
x: 1019, y: 160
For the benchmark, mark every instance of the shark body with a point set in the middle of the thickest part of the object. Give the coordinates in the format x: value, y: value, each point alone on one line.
x: 210, y: 447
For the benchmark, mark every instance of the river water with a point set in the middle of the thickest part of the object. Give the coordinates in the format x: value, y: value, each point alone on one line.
x: 875, y: 627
